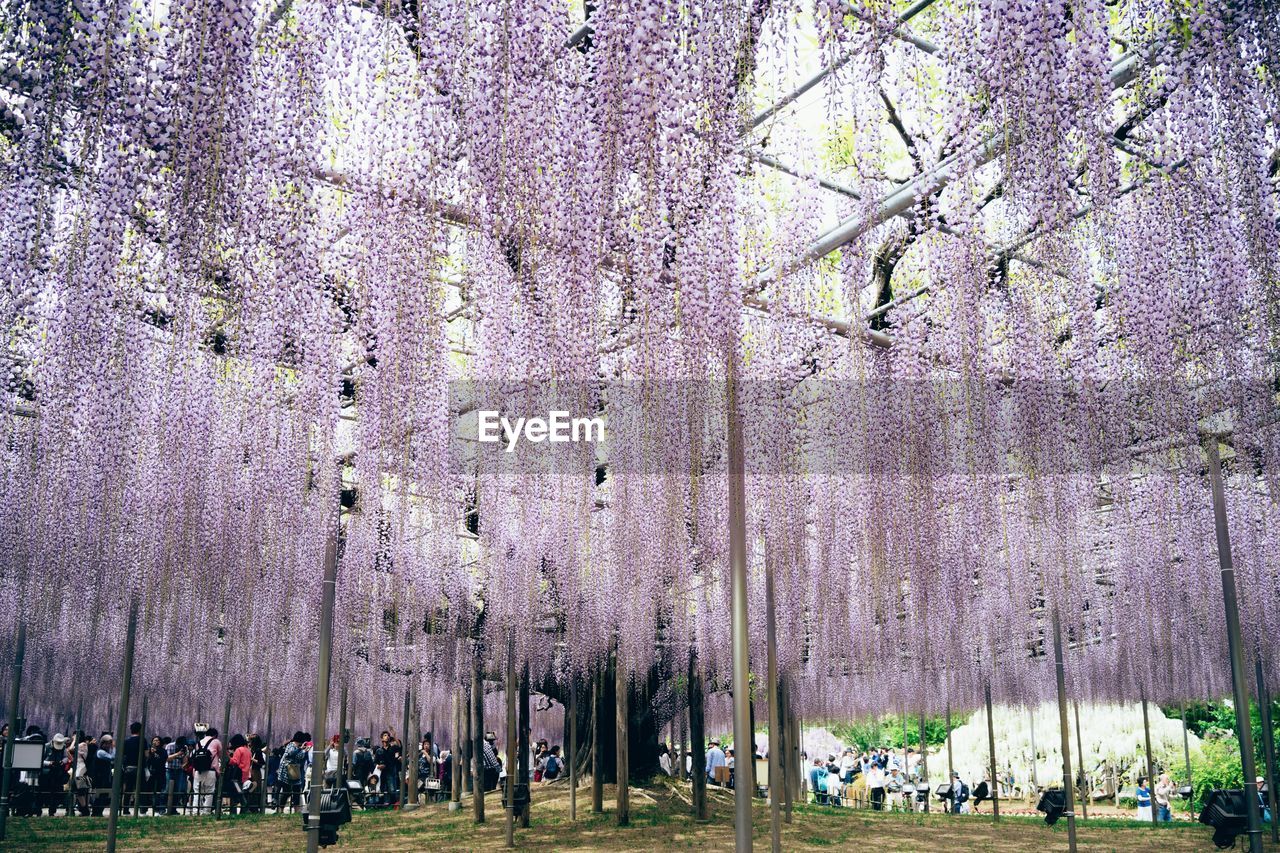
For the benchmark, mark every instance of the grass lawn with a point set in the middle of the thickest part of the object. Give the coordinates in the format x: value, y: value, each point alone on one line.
x: 659, y: 821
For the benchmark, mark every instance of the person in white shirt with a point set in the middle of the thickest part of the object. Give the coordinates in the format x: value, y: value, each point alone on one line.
x: 664, y: 758
x: 847, y: 763
x: 875, y: 786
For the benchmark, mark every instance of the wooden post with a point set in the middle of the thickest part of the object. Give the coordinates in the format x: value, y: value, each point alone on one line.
x: 526, y: 772
x: 455, y: 746
x: 477, y: 733
x: 15, y: 693
x: 951, y: 767
x: 775, y: 717
x: 1151, y: 767
x: 1084, y: 777
x: 467, y: 741
x: 513, y: 743
x: 142, y: 752
x: 789, y: 765
x: 624, y: 765
x: 924, y: 765
x: 321, y: 709
x: 122, y: 715
x: 991, y: 755
x: 344, y: 742
x: 1068, y: 780
x: 572, y: 758
x: 1239, y: 689
x: 1035, y: 756
x: 1268, y: 745
x: 1186, y: 756
x: 597, y: 736
x: 697, y: 740
x: 226, y: 759
x: 411, y: 781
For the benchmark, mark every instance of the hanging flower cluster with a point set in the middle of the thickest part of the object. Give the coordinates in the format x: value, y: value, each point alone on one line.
x: 263, y: 264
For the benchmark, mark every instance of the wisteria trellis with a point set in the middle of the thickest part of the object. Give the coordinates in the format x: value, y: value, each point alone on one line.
x: 256, y: 256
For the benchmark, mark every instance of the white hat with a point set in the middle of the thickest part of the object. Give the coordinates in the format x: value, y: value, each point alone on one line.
x: 59, y: 740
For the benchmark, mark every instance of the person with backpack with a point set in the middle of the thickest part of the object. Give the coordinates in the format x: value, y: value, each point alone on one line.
x: 552, y: 765
x: 959, y: 794
x: 293, y: 768
x: 205, y: 759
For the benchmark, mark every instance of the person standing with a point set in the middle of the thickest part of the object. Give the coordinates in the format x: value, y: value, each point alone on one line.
x: 292, y: 770
x: 204, y: 765
x: 132, y: 758
x: 154, y: 761
x: 959, y: 794
x: 1143, y: 795
x: 492, y: 764
x: 875, y: 786
x: 1163, y: 795
x: 100, y: 772
x: 176, y: 772
x: 53, y: 779
x: 387, y: 757
x: 715, y: 758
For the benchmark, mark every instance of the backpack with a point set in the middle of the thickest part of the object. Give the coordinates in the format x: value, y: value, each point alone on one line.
x: 552, y: 770
x: 201, y: 757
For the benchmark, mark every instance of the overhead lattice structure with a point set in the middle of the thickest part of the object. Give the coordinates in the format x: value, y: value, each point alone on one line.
x: 990, y: 268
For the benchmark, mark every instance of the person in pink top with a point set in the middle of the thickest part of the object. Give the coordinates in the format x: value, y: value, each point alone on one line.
x: 238, y: 771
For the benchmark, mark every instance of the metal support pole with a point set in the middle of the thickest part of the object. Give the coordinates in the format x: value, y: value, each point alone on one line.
x: 513, y: 743
x: 322, y: 683
x: 697, y: 741
x: 1186, y: 757
x: 775, y: 715
x: 142, y: 751
x: 1084, y: 778
x: 991, y: 753
x: 1068, y: 780
x: 742, y: 735
x: 1268, y: 746
x: 597, y: 737
x: 572, y: 758
x: 624, y: 763
x: 477, y: 734
x: 122, y: 715
x: 924, y: 764
x: 1239, y: 691
x: 1151, y: 765
x: 15, y: 693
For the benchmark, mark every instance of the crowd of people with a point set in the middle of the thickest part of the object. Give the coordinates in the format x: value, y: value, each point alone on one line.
x: 200, y: 772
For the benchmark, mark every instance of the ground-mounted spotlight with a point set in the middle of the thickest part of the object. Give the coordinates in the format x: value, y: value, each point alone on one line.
x: 1053, y: 802
x: 335, y: 810
x: 1227, y: 811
